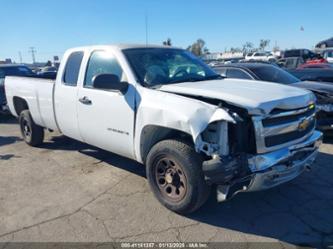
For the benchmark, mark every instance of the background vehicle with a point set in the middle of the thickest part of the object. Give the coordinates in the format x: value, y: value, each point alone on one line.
x: 270, y: 73
x: 165, y: 108
x: 48, y: 72
x: 10, y: 70
x: 260, y: 56
x: 315, y: 65
x: 325, y: 44
x: 305, y: 54
x: 314, y: 73
x: 328, y: 55
x: 290, y: 62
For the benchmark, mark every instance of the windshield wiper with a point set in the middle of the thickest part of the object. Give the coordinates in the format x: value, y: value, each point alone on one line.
x: 212, y: 77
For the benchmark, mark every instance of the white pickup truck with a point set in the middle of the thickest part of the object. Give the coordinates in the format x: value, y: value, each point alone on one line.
x: 166, y: 109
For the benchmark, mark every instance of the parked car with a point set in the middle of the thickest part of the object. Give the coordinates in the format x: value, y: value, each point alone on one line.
x: 325, y: 44
x: 10, y: 70
x: 328, y: 55
x: 314, y: 73
x: 290, y: 62
x: 165, y: 108
x: 48, y: 72
x: 260, y: 56
x: 316, y: 65
x: 271, y: 73
x: 305, y: 54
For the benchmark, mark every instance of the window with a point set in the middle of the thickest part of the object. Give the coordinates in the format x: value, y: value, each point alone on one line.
x: 102, y: 62
x: 238, y: 74
x: 2, y: 73
x: 259, y: 54
x: 72, y: 69
x: 274, y: 74
x: 161, y: 66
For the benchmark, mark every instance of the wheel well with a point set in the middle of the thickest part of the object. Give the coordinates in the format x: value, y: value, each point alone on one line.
x: 153, y: 134
x: 20, y: 105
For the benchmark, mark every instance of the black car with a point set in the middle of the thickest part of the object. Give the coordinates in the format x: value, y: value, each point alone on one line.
x: 10, y: 70
x: 313, y: 74
x: 271, y: 73
x: 325, y: 44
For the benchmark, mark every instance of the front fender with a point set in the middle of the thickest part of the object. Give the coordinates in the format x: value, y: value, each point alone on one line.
x: 176, y: 112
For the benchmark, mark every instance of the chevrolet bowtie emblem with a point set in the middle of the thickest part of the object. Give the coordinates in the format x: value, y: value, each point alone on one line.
x: 304, y: 124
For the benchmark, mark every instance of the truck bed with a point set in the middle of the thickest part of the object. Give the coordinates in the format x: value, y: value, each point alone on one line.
x: 38, y: 94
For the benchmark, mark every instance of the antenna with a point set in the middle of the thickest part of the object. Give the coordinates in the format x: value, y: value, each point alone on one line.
x: 32, y: 50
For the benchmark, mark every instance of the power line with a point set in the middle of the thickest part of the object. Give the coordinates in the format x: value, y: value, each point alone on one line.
x: 32, y: 50
x: 20, y: 56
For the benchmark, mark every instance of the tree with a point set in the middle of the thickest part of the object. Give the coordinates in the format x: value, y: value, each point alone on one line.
x: 247, y: 47
x: 263, y: 44
x: 198, y: 48
x: 167, y: 42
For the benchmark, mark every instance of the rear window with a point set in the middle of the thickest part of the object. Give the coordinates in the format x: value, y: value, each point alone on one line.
x: 274, y: 74
x: 72, y: 69
x: 292, y: 53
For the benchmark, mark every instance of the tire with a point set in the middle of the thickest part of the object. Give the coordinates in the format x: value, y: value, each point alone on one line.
x: 187, y: 190
x: 32, y: 134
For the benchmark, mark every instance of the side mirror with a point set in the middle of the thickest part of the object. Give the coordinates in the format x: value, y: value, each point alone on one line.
x: 109, y: 82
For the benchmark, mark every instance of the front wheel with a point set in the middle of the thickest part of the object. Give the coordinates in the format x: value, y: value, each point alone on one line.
x: 32, y: 134
x: 174, y: 172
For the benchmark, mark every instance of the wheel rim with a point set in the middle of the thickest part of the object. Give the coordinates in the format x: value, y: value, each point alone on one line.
x: 170, y: 179
x: 26, y: 129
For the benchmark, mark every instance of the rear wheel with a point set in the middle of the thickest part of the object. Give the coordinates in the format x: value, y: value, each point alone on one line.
x: 174, y: 172
x: 32, y: 134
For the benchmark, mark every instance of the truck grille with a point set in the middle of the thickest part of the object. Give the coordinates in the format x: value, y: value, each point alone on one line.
x: 283, y: 128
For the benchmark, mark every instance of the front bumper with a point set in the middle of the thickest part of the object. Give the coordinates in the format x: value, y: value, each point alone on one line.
x: 274, y: 168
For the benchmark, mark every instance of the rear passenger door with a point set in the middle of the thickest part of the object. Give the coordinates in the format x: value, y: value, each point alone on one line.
x: 65, y: 99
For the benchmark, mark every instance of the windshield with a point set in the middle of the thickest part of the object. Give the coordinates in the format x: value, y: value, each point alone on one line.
x: 274, y: 74
x: 161, y: 66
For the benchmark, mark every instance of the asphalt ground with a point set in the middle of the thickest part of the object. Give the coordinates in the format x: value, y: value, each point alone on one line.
x: 67, y: 191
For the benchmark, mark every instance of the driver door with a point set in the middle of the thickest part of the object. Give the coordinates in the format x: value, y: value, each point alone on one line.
x: 106, y: 118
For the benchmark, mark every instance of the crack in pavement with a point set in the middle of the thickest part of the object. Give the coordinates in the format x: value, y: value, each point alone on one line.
x: 155, y: 232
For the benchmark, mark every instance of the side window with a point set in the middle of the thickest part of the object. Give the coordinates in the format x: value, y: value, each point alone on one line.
x: 238, y: 74
x: 2, y: 73
x: 72, y: 68
x: 102, y: 62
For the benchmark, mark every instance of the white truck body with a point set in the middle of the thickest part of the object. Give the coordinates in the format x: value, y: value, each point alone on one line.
x: 129, y: 124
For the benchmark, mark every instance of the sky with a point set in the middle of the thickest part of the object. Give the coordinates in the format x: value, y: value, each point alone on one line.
x: 51, y: 27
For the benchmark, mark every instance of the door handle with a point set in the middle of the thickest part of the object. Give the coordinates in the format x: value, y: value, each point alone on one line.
x: 85, y: 100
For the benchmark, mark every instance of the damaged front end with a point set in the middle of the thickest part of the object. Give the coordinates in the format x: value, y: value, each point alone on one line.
x: 258, y: 152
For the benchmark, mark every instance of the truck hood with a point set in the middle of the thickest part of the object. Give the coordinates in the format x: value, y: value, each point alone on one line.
x: 258, y: 97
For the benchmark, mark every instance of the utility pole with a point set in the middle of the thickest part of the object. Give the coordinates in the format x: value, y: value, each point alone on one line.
x: 146, y: 24
x: 32, y: 50
x: 20, y: 56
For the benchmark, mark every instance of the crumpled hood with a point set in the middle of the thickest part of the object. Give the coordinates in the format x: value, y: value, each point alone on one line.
x: 258, y: 97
